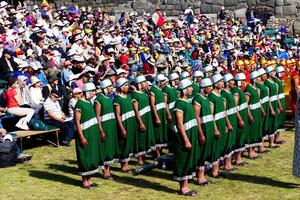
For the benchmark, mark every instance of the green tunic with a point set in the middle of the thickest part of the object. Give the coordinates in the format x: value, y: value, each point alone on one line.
x: 109, y: 126
x: 273, y: 120
x: 264, y: 98
x: 219, y: 115
x: 145, y: 140
x: 161, y: 133
x: 89, y: 158
x: 281, y: 97
x: 185, y: 160
x: 127, y: 146
x: 208, y: 128
x: 231, y: 110
x: 255, y: 129
x: 241, y: 133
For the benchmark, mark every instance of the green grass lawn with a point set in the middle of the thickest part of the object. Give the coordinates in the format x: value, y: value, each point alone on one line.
x: 52, y: 174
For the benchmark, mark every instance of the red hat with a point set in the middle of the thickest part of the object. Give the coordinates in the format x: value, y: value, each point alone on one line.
x: 19, y: 51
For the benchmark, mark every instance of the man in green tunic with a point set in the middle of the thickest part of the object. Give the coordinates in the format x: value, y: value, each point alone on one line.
x: 145, y: 133
x: 257, y: 112
x: 281, y: 103
x: 242, y: 115
x: 186, y: 138
x: 107, y: 126
x: 126, y: 124
x: 88, y: 146
x: 207, y: 130
x: 274, y: 107
x: 158, y: 107
x: 231, y: 110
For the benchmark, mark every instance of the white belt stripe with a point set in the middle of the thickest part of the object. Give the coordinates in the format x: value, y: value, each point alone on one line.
x: 231, y: 111
x: 127, y: 115
x: 273, y: 98
x: 281, y: 96
x: 220, y: 115
x: 188, y: 125
x: 254, y: 106
x: 88, y: 123
x: 144, y: 110
x: 207, y: 118
x: 265, y: 99
x: 107, y: 117
x: 243, y: 106
x: 171, y: 105
x: 160, y: 106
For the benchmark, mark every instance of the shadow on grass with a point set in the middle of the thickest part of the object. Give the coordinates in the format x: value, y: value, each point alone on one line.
x: 261, y: 180
x: 158, y: 174
x: 142, y: 183
x: 64, y: 168
x: 54, y: 177
x: 71, y: 162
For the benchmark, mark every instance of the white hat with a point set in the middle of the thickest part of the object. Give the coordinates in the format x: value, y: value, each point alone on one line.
x: 124, y: 50
x: 198, y: 73
x: 111, y: 50
x: 227, y: 77
x: 173, y: 76
x: 88, y: 87
x: 240, y: 76
x: 77, y: 37
x: 216, y: 78
x: 279, y: 69
x: 76, y: 90
x: 208, y: 68
x: 102, y: 58
x: 254, y: 75
x: 261, y: 71
x: 65, y: 29
x: 270, y: 69
x: 35, y: 7
x: 183, y: 84
x: 8, y: 137
x: 121, y: 71
x: 29, y: 52
x: 21, y: 30
x: 140, y: 79
x: 120, y: 82
x: 205, y: 82
x: 22, y: 78
x: 78, y: 58
x: 23, y: 65
x: 34, y: 80
x: 59, y: 23
x: 184, y: 75
x: 160, y: 78
x: 3, y: 3
x: 72, y: 52
x: 105, y: 83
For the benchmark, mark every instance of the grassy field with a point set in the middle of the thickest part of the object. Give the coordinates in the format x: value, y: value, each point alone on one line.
x: 52, y: 174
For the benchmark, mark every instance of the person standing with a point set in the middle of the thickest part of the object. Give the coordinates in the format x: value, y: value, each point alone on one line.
x: 107, y: 126
x: 87, y: 139
x: 185, y: 139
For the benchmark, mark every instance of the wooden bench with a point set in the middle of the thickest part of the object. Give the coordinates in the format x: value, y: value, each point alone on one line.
x: 26, y: 134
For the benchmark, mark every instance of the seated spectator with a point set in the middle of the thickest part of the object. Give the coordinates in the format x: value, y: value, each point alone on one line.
x: 76, y: 95
x: 54, y: 116
x: 13, y: 103
x: 8, y: 66
x: 36, y: 97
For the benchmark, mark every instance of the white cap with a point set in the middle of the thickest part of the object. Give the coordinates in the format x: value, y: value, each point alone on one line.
x: 240, y: 76
x: 34, y: 80
x: 8, y: 137
x: 121, y: 71
x: 160, y: 78
x: 261, y: 71
x: 184, y: 75
x: 173, y: 76
x: 88, y: 87
x: 280, y: 69
x: 198, y: 73
x: 208, y: 68
x: 205, y: 82
x: 140, y: 79
x: 216, y: 78
x: 254, y: 75
x: 227, y: 77
x: 105, y: 83
x: 270, y: 69
x: 183, y: 84
x: 120, y: 82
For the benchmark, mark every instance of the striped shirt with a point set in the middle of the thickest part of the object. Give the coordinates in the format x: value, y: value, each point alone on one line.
x: 54, y: 107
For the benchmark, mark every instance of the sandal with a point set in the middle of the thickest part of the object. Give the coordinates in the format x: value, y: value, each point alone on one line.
x: 128, y: 171
x: 88, y: 187
x: 190, y: 193
x: 204, y: 183
x: 94, y: 185
x: 230, y: 170
x: 280, y: 142
x: 274, y: 146
x: 109, y: 177
x: 243, y: 163
x: 265, y: 151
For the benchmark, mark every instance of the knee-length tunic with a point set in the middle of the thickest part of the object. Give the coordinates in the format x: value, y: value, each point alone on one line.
x: 208, y: 128
x: 231, y: 110
x: 241, y: 133
x: 160, y: 131
x: 273, y: 92
x: 127, y: 146
x: 89, y: 158
x: 185, y: 160
x: 145, y: 140
x: 281, y: 97
x: 109, y: 126
x: 255, y: 129
x: 219, y: 116
x: 265, y: 102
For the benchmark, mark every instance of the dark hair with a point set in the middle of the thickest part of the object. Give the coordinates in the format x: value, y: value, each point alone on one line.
x: 11, y: 81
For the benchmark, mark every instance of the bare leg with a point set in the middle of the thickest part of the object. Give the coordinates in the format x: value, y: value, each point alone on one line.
x: 200, y: 175
x: 215, y: 169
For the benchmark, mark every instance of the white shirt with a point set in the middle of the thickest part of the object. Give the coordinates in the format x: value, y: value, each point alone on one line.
x: 36, y: 96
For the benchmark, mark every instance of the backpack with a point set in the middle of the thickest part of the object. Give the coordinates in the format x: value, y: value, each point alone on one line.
x: 8, y: 154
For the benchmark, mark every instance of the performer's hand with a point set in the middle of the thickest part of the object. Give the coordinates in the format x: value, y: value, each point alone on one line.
x: 241, y: 123
x: 272, y: 113
x: 123, y: 133
x: 229, y: 127
x: 157, y: 121
x: 217, y: 133
x: 169, y: 118
x: 188, y: 145
x: 264, y: 114
x: 280, y: 109
x: 84, y: 142
x: 103, y: 136
x: 250, y: 119
x: 142, y: 127
x: 202, y: 139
